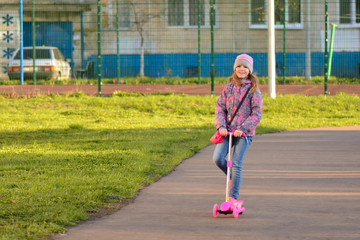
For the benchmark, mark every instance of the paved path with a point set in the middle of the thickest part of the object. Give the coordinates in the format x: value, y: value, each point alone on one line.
x: 296, y: 185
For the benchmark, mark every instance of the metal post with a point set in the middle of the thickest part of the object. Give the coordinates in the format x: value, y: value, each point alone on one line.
x: 33, y: 41
x: 82, y: 40
x: 199, y: 50
x: 271, y: 49
x: 21, y: 43
x: 233, y: 31
x: 117, y: 44
x: 99, y: 45
x: 308, y: 43
x: 284, y: 43
x: 149, y: 13
x: 212, y: 43
x: 326, y: 48
x: 333, y: 26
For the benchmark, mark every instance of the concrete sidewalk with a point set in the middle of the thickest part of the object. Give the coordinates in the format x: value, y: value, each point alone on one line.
x: 296, y: 185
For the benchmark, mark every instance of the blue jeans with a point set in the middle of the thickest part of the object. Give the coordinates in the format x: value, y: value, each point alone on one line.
x: 240, y: 146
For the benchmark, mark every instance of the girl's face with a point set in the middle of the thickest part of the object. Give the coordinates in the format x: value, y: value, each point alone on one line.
x: 242, y: 72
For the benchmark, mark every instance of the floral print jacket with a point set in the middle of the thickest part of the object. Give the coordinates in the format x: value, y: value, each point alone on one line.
x: 249, y: 114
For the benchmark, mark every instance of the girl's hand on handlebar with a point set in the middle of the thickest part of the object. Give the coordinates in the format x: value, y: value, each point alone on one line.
x: 238, y: 133
x: 223, y: 132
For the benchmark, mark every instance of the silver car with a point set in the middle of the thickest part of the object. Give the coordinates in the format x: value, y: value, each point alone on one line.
x: 50, y: 64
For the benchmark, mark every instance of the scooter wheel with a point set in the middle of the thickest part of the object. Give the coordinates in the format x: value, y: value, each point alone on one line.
x: 215, y: 210
x: 242, y: 209
x: 236, y: 212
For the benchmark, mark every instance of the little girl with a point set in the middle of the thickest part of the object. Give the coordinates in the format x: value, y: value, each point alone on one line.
x: 244, y: 123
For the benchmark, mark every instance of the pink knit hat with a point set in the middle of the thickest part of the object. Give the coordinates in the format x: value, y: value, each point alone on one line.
x: 244, y: 60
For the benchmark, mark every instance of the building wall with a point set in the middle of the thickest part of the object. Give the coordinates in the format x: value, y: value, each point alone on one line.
x: 9, y: 27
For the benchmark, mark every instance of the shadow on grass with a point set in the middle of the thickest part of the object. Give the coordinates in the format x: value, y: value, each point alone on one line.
x: 79, y: 138
x: 54, y: 178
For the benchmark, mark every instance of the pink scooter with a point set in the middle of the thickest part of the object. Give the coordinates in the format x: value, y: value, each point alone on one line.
x: 230, y: 206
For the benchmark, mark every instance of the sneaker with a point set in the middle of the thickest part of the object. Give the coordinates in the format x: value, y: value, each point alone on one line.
x: 236, y: 203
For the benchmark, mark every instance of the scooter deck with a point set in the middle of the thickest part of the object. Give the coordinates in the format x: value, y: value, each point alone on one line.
x: 227, y: 212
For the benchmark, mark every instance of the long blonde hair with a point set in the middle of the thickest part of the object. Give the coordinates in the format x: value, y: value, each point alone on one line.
x: 254, y: 81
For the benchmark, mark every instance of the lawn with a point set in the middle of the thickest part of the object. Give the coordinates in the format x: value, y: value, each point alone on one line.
x: 63, y: 158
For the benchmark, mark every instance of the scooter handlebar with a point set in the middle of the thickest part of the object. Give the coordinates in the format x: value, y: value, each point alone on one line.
x: 232, y: 134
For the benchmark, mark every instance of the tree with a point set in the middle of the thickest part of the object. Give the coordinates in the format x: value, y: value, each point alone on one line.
x: 142, y: 16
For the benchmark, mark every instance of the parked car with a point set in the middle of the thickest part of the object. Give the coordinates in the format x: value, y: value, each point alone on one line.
x: 50, y: 64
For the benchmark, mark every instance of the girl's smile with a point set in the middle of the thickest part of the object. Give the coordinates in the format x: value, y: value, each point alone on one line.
x: 242, y: 72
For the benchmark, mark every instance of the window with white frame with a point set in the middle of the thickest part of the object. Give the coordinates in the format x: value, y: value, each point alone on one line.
x: 184, y: 13
x: 293, y: 14
x: 349, y: 12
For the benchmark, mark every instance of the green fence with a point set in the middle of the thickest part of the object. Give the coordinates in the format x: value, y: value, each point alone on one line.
x: 110, y: 39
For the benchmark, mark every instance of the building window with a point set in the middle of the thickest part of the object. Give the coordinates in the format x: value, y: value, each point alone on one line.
x: 349, y: 12
x: 176, y: 13
x: 193, y: 14
x: 109, y: 14
x: 257, y: 12
x: 293, y: 13
x: 184, y: 13
x: 124, y: 15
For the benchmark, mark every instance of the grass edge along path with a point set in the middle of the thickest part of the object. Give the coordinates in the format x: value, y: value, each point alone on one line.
x: 65, y: 158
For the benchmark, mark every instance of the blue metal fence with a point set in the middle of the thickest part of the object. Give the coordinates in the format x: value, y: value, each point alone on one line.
x: 179, y: 65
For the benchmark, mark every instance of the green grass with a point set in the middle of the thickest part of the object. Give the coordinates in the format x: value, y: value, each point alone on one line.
x: 194, y: 80
x: 64, y: 157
